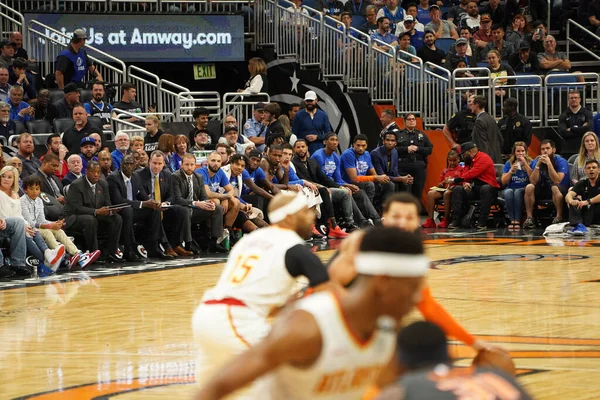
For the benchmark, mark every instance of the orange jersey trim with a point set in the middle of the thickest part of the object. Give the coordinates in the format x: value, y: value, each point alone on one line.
x: 234, y: 330
x: 361, y: 343
x: 365, y: 178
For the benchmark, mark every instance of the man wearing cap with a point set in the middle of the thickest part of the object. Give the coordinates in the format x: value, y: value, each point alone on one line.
x: 64, y: 106
x: 419, y: 17
x: 230, y: 137
x: 393, y: 12
x: 505, y: 48
x: 452, y: 59
x: 7, y: 53
x: 311, y: 124
x: 416, y: 36
x: 73, y: 63
x: 442, y: 28
x: 484, y: 35
x: 88, y: 148
x: 254, y: 129
x: 429, y: 53
x: 524, y: 60
x: 72, y: 136
x: 478, y: 181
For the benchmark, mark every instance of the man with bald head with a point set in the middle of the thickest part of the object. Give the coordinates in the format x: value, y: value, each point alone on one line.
x: 105, y: 161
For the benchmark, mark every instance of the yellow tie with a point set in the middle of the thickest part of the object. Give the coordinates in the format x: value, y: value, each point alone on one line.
x: 157, y: 192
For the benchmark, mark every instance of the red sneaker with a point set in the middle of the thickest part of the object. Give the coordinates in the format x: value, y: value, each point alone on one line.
x: 429, y: 223
x: 444, y: 224
x: 337, y: 233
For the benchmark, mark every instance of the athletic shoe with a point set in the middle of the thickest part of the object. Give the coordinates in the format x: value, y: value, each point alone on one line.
x: 454, y: 225
x: 529, y: 223
x: 579, y: 230
x: 224, y: 236
x: 316, y: 234
x: 337, y: 233
x: 321, y: 229
x: 44, y: 271
x: 557, y: 220
x: 54, y: 257
x: 6, y: 273
x: 349, y: 228
x: 73, y: 261
x: 444, y: 224
x: 429, y: 223
x: 87, y: 258
x: 141, y: 250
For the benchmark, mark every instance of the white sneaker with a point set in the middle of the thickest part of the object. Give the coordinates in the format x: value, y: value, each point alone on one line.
x: 54, y: 257
x: 224, y: 236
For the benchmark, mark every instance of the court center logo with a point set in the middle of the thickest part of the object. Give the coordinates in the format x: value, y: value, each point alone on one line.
x: 508, y: 258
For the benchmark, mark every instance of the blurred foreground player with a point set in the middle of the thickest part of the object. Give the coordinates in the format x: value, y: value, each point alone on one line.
x: 326, y: 347
x: 259, y: 278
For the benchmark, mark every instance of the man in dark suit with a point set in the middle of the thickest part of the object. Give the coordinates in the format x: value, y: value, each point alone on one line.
x: 485, y: 131
x: 156, y: 182
x: 203, y: 209
x: 52, y: 186
x: 75, y: 166
x: 87, y: 208
x: 387, y: 119
x: 126, y: 188
x: 385, y: 162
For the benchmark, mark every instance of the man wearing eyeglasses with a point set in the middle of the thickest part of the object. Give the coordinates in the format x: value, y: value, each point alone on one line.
x: 370, y: 27
x: 413, y: 148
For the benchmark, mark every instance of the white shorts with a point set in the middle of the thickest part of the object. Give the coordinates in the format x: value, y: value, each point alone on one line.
x: 223, y: 332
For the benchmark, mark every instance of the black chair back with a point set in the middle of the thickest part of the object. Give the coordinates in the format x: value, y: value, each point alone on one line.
x: 39, y: 126
x: 62, y: 124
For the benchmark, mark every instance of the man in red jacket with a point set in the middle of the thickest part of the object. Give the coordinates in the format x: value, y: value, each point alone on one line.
x: 477, y: 182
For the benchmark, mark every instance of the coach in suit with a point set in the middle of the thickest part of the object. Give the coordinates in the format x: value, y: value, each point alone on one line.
x: 87, y: 208
x: 126, y: 188
x: 156, y: 182
x: 203, y: 209
x: 485, y: 131
x: 52, y: 186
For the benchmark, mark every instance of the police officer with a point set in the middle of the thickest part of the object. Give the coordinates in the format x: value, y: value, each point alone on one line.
x: 514, y: 127
x: 459, y: 128
x: 413, y: 148
x: 254, y: 129
x: 73, y: 63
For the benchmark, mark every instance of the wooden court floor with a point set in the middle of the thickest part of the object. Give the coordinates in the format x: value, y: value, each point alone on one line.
x: 129, y: 336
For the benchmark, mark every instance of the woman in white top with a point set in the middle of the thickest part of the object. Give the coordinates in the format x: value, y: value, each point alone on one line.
x: 10, y: 206
x: 588, y: 150
x: 258, y: 82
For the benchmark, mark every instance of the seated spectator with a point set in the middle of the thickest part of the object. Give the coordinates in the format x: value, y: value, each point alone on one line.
x: 7, y: 125
x: 33, y: 210
x: 554, y: 61
x: 72, y: 137
x: 64, y: 106
x: 121, y: 149
x: 153, y: 134
x: 201, y: 139
x: 583, y: 199
x: 356, y: 7
x: 55, y: 146
x: 25, y: 148
x: 231, y: 120
x: 478, y: 181
x: 385, y: 162
x: 19, y: 110
x: 105, y: 162
x: 421, y: 18
x: 484, y: 35
x: 18, y: 165
x: 225, y: 152
x: 498, y: 70
x: 516, y: 32
x: 136, y: 143
x: 416, y: 37
x: 473, y: 18
x: 201, y: 116
x: 537, y: 37
x: 357, y: 168
x: 311, y: 124
x: 51, y: 186
x: 429, y: 53
x: 383, y: 34
x: 514, y: 127
x: 257, y: 189
x: 405, y: 46
x: 143, y: 159
x: 258, y: 82
x: 576, y: 119
x: 442, y: 28
x: 413, y: 149
x: 452, y: 59
x: 86, y: 210
x: 125, y: 187
x: 504, y: 47
x: 129, y: 105
x: 588, y: 150
x: 97, y: 107
x: 230, y: 137
x: 331, y: 8
x: 4, y: 85
x: 166, y: 144
x: 549, y: 180
x: 43, y: 108
x: 515, y: 178
x: 87, y: 150
x: 17, y: 38
x: 75, y: 166
x: 190, y: 191
x: 443, y: 190
x: 460, y: 126
x: 182, y: 145
x: 495, y: 10
x: 524, y: 61
x: 485, y: 130
x: 287, y: 129
x: 20, y: 77
x: 393, y: 12
x: 271, y: 113
x: 7, y: 53
x: 531, y: 9
x: 458, y: 13
x: 98, y: 139
x: 369, y: 27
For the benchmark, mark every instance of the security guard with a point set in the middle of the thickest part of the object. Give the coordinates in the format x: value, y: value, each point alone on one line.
x: 413, y: 148
x: 73, y: 64
x: 459, y: 128
x: 514, y: 127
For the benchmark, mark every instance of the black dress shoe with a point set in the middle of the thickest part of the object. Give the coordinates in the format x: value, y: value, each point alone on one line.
x: 111, y: 258
x: 350, y: 228
x: 6, y: 273
x: 193, y: 247
x: 132, y: 257
x: 160, y: 254
x: 217, y: 248
x: 22, y: 270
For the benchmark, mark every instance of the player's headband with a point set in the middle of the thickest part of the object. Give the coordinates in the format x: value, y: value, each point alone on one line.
x: 291, y: 208
x: 391, y: 264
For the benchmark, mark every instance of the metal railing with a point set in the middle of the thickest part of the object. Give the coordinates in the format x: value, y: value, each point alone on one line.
x: 10, y: 21
x: 571, y: 40
x: 438, y: 103
x: 384, y: 72
x: 120, y: 120
x: 358, y: 67
x: 265, y: 16
x: 288, y: 28
x: 168, y: 97
x: 410, y: 83
x: 187, y: 102
x: 242, y: 106
x: 146, y: 84
x: 336, y: 48
x: 529, y: 96
x: 556, y: 94
x: 310, y: 48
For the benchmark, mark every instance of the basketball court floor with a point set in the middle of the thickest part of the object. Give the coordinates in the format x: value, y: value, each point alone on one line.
x: 125, y: 332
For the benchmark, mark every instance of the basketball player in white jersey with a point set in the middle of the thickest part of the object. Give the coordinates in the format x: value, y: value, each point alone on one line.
x: 329, y: 348
x: 258, y: 279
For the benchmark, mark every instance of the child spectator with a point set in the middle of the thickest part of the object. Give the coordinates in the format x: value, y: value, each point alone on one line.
x: 443, y: 189
x: 33, y: 211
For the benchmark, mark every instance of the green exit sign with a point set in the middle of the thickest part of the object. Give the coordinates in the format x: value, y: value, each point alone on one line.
x: 205, y: 71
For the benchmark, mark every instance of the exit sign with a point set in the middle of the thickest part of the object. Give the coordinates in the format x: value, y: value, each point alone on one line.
x: 205, y: 71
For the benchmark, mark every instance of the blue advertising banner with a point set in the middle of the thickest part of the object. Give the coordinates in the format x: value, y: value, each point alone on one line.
x: 178, y: 38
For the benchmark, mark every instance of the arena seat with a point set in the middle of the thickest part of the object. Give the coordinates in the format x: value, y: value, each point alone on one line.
x: 96, y: 122
x: 20, y: 127
x: 39, y: 126
x: 178, y: 128
x: 55, y: 95
x: 62, y: 124
x: 86, y: 95
x: 444, y: 44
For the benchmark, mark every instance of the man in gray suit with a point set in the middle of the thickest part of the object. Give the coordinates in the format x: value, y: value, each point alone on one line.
x: 188, y: 189
x: 485, y: 131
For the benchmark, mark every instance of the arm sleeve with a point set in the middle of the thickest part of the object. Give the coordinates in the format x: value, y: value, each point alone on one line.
x: 255, y: 85
x: 562, y: 124
x: 293, y: 178
x: 301, y: 261
x: 476, y: 171
x: 434, y: 312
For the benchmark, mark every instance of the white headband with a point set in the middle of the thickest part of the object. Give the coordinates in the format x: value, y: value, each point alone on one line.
x: 391, y: 264
x: 291, y: 208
